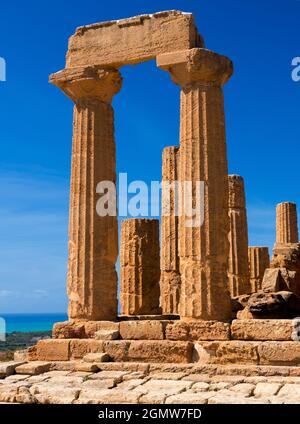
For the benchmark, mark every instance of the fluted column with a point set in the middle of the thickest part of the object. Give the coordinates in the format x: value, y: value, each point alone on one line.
x: 170, y: 276
x: 93, y: 238
x: 139, y: 267
x: 286, y: 223
x: 203, y: 242
x: 238, y: 268
x: 259, y: 261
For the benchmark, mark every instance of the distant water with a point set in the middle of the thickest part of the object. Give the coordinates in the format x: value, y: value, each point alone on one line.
x: 31, y: 322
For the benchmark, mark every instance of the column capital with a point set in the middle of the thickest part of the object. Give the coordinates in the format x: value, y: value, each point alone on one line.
x: 196, y: 66
x: 88, y: 82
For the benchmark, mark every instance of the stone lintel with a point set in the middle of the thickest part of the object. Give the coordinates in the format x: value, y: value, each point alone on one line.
x: 132, y: 40
x: 196, y: 65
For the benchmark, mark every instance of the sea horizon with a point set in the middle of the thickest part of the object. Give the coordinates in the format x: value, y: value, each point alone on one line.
x: 31, y: 322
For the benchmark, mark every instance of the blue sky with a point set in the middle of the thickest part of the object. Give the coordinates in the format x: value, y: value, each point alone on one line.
x: 262, y: 116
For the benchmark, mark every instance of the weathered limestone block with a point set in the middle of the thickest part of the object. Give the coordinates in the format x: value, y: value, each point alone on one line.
x: 286, y: 256
x: 96, y: 357
x: 53, y: 350
x: 98, y: 384
x: 33, y: 368
x: 279, y: 353
x: 272, y: 281
x: 203, y: 237
x: 188, y: 398
x: 143, y: 330
x: 237, y: 352
x: 102, y: 396
x: 21, y: 355
x: 81, y: 347
x: 198, y: 330
x: 284, y: 273
x: 160, y: 351
x: 107, y: 335
x: 139, y: 267
x: 79, y: 329
x: 286, y: 223
x: 133, y: 40
x: 170, y: 280
x: 84, y: 367
x: 262, y: 329
x: 8, y: 393
x: 117, y: 349
x: 8, y: 368
x: 267, y: 389
x: 259, y: 260
x: 238, y: 267
x: 290, y: 393
x: 230, y: 352
x: 154, y: 388
x: 93, y: 231
x: 279, y: 279
x: 69, y: 330
x: 49, y: 394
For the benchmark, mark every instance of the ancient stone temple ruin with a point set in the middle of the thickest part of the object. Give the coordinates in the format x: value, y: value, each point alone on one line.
x: 182, y: 289
x: 189, y: 294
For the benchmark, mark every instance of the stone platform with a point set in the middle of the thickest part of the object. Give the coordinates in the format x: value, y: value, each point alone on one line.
x: 162, y: 361
x: 78, y: 382
x: 253, y: 342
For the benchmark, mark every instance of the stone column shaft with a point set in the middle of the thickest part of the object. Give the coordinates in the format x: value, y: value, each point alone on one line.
x: 93, y: 239
x: 203, y: 249
x: 170, y: 275
x: 139, y: 267
x: 259, y: 261
x: 238, y: 267
x: 286, y: 223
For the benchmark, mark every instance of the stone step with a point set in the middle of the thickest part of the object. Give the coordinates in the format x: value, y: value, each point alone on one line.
x: 8, y: 368
x: 179, y: 330
x: 280, y: 353
x: 191, y: 371
x: 118, y: 350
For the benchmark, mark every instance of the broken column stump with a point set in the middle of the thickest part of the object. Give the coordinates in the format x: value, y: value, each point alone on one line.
x: 259, y: 261
x: 139, y: 267
x: 238, y: 268
x: 170, y: 281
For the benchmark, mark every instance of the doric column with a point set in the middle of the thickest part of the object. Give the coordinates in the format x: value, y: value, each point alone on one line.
x: 170, y: 275
x: 238, y: 268
x: 93, y: 238
x: 259, y: 261
x: 139, y: 267
x: 203, y: 240
x: 286, y: 223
